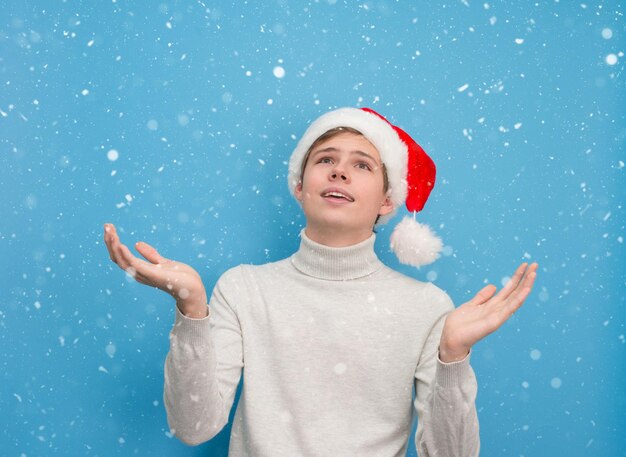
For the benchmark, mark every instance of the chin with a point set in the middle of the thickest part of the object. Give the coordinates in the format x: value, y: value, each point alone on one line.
x: 345, y: 224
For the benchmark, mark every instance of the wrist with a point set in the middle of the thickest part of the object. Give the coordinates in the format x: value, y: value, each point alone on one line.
x: 196, y: 309
x: 452, y: 354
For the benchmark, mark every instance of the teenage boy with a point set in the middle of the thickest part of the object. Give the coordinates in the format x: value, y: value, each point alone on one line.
x: 333, y: 342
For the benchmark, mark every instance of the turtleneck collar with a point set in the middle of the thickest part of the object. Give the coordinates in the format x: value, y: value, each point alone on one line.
x: 336, y: 264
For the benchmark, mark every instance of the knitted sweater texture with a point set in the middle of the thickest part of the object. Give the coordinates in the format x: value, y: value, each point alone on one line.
x: 331, y: 344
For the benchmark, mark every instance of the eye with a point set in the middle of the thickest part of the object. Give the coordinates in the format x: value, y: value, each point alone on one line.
x: 364, y: 166
x: 325, y: 160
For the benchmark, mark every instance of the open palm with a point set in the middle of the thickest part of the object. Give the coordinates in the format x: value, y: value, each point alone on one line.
x: 484, y: 313
x: 177, y: 279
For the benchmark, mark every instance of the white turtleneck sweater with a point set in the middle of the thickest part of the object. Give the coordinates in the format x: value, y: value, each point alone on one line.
x: 331, y: 343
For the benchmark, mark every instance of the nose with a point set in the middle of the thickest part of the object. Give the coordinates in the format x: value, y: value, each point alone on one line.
x: 339, y: 173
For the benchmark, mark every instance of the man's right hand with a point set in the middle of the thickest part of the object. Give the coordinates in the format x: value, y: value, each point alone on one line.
x: 177, y: 279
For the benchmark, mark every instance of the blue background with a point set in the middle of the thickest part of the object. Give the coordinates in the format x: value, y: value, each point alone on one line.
x: 520, y: 104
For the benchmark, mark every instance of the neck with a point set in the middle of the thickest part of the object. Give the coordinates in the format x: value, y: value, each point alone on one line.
x: 337, y: 237
x: 336, y: 263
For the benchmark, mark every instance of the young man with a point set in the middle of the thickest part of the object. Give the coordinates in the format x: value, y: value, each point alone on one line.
x: 333, y: 342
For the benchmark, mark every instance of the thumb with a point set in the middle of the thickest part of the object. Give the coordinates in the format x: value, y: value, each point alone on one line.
x: 150, y: 253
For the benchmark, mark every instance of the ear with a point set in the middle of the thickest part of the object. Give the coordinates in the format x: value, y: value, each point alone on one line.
x: 297, y: 192
x: 386, y: 206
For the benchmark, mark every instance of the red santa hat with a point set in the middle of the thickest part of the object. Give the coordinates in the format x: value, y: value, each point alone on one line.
x: 410, y: 171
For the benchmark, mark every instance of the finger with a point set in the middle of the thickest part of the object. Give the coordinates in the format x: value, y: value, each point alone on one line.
x: 513, y: 304
x: 134, y: 265
x: 108, y: 239
x: 516, y: 300
x: 149, y: 252
x: 115, y: 251
x: 483, y: 295
x: 110, y: 234
x: 109, y: 230
x: 121, y: 254
x: 528, y: 279
x: 512, y: 283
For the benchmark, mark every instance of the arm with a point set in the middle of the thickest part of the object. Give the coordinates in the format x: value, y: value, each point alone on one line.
x: 446, y: 404
x: 203, y: 368
x: 204, y: 364
x: 445, y: 395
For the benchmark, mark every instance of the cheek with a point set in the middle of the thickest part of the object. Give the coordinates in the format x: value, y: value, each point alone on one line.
x: 310, y: 179
x: 377, y: 186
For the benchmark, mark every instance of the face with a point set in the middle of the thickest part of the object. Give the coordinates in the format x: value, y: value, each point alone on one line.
x: 342, y: 186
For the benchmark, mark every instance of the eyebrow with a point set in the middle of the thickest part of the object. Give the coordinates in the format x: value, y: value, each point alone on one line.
x: 356, y: 151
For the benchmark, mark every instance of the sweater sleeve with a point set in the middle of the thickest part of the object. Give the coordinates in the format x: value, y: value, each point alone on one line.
x: 203, y: 366
x: 445, y: 395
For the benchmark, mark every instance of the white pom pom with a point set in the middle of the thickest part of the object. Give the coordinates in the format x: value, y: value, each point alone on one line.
x: 414, y: 243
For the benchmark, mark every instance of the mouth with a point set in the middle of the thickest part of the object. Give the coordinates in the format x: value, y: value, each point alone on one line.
x: 338, y: 195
